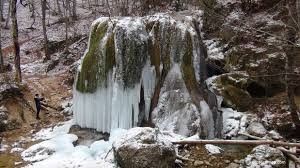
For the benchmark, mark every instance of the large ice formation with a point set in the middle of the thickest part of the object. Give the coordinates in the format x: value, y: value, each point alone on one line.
x: 126, y: 64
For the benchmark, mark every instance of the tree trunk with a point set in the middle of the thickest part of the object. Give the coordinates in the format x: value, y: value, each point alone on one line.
x: 238, y: 142
x: 1, y: 10
x: 67, y: 8
x: 1, y: 56
x: 292, y: 51
x: 74, y: 14
x: 18, y: 76
x: 8, y: 13
x: 47, y: 55
x: 58, y: 8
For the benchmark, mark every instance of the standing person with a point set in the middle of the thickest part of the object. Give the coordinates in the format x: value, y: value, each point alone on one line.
x: 38, y: 105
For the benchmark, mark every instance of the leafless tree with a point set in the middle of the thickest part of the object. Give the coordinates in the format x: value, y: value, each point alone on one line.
x: 15, y: 37
x: 1, y: 10
x: 8, y: 14
x: 47, y: 55
x: 1, y: 56
x: 74, y: 6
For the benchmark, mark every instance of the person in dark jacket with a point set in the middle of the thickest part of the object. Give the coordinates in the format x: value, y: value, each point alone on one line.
x: 38, y: 105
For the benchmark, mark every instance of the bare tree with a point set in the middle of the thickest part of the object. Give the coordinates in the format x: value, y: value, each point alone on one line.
x: 32, y: 10
x: 66, y: 12
x: 1, y: 56
x: 8, y: 14
x: 58, y: 7
x: 15, y: 37
x: 1, y: 10
x: 47, y: 55
x: 74, y: 14
x: 292, y: 52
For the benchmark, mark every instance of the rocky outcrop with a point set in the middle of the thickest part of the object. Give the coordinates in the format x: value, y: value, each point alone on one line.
x: 256, y: 129
x: 264, y: 156
x: 134, y: 64
x: 144, y: 148
x: 175, y: 111
x: 9, y: 90
x: 233, y: 88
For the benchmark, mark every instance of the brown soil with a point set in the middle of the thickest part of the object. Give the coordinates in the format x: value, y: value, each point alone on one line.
x: 51, y: 87
x: 231, y: 154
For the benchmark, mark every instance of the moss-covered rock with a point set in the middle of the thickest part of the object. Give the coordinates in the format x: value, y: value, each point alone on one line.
x: 92, y: 72
x: 233, y: 88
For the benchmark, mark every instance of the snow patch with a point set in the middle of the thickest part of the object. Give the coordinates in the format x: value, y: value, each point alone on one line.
x: 212, y: 149
x: 60, y: 129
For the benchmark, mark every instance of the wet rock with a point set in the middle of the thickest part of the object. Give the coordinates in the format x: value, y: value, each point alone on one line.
x: 265, y: 156
x: 144, y: 147
x: 87, y: 136
x: 256, y: 129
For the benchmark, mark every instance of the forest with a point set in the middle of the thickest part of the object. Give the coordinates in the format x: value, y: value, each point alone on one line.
x: 150, y: 83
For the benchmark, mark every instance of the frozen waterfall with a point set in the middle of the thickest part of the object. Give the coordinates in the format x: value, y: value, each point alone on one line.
x: 114, y: 106
x: 127, y: 61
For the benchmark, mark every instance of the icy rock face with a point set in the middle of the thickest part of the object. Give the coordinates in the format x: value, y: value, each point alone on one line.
x: 264, y: 156
x: 128, y: 59
x: 144, y: 147
x: 175, y: 111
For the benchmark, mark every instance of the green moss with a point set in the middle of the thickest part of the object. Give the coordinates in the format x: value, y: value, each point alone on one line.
x: 91, y: 74
x: 133, y: 60
x: 236, y: 79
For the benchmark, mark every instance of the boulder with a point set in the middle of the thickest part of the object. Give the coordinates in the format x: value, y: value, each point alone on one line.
x: 233, y: 88
x: 264, y: 156
x: 3, y: 118
x: 144, y: 147
x: 9, y: 90
x: 256, y: 129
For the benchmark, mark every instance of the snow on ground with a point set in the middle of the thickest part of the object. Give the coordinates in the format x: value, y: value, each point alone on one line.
x: 233, y: 122
x: 214, y: 49
x: 59, y: 150
x: 48, y: 133
x: 212, y: 149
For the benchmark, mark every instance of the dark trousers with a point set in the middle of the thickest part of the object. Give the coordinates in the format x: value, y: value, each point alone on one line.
x: 38, y: 109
